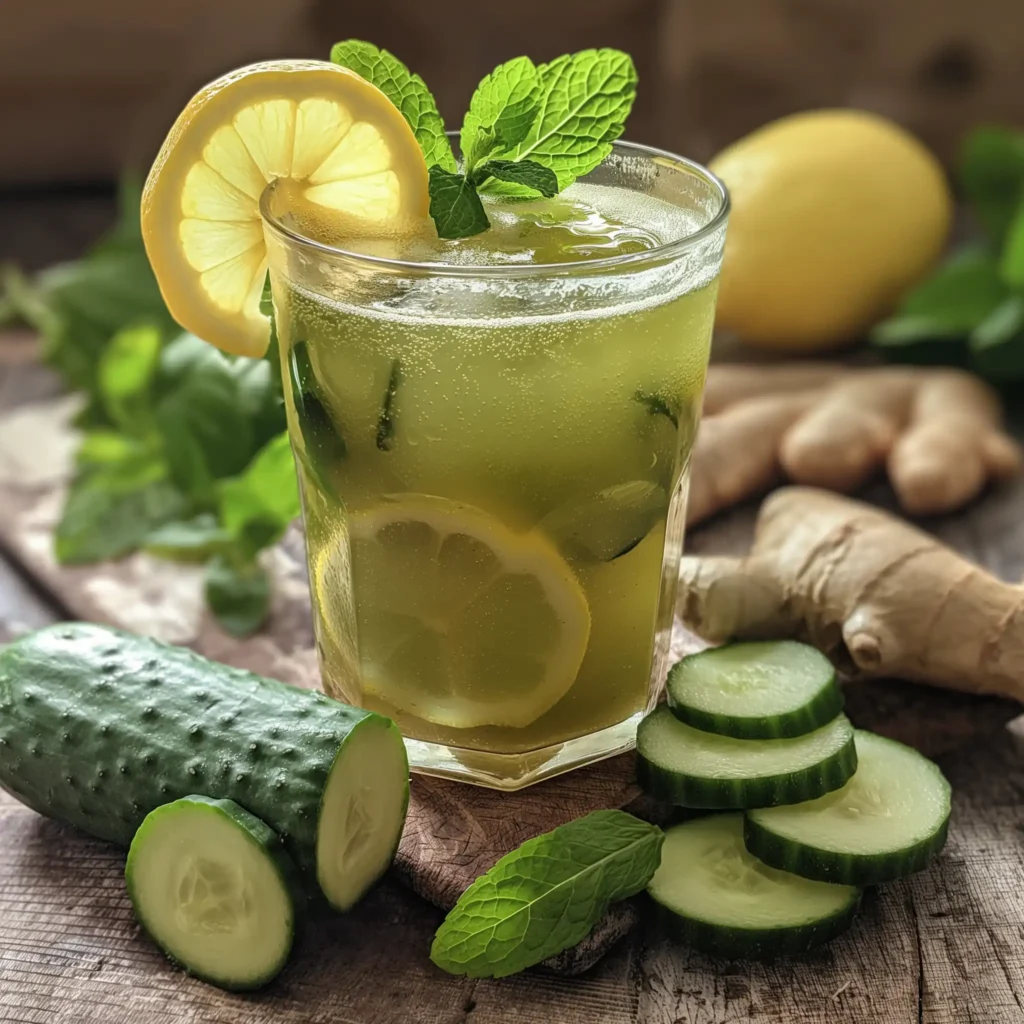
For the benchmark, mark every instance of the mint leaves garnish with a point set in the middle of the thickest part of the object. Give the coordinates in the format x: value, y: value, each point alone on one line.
x: 585, y: 99
x: 970, y: 312
x: 529, y: 130
x: 547, y: 895
x: 407, y: 91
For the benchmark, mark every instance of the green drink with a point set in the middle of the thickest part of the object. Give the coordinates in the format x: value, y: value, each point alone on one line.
x: 492, y: 436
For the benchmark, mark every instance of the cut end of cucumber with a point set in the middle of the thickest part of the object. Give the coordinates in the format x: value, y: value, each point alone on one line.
x: 760, y: 690
x: 362, y: 812
x: 213, y: 887
x: 728, y: 903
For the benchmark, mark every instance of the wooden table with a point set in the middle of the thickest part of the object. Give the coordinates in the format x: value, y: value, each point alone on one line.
x: 945, y: 947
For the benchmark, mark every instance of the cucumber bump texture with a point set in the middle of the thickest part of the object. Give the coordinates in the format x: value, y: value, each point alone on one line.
x: 99, y: 727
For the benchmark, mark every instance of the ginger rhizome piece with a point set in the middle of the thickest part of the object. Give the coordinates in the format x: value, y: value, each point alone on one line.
x: 938, y: 432
x: 877, y: 595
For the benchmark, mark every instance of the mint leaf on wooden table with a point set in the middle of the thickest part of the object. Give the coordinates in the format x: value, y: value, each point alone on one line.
x: 110, y: 511
x: 547, y: 895
x: 188, y: 540
x: 407, y: 91
x: 257, y: 506
x: 455, y: 206
x: 238, y: 593
x: 77, y: 307
x: 502, y: 110
x: 585, y: 99
x: 125, y: 375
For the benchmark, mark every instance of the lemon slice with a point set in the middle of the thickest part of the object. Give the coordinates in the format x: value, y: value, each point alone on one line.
x: 338, y: 142
x: 461, y: 622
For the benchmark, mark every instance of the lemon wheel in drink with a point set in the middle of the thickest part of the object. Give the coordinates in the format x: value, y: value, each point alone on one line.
x: 461, y: 621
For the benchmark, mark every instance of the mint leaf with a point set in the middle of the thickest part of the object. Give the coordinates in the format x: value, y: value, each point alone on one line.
x: 109, y: 512
x: 992, y: 175
x: 1011, y: 266
x: 502, y: 110
x: 77, y: 307
x: 257, y: 505
x: 126, y: 371
x: 454, y: 205
x: 188, y: 540
x: 528, y: 173
x: 238, y: 594
x: 585, y: 99
x: 386, y: 420
x: 407, y: 91
x: 997, y: 343
x: 547, y: 895
x: 960, y: 294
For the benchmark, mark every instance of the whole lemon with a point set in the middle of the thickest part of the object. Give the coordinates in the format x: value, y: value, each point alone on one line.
x: 835, y: 213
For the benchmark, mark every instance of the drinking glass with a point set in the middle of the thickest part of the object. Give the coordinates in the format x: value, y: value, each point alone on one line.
x: 493, y: 464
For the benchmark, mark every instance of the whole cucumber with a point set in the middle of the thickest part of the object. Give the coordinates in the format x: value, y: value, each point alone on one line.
x: 99, y: 727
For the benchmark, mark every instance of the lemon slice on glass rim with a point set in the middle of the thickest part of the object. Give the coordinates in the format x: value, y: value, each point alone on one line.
x: 344, y: 148
x: 461, y: 621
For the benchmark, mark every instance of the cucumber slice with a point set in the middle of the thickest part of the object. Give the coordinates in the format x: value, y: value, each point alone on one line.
x: 603, y: 526
x: 214, y: 888
x: 691, y: 768
x: 764, y: 690
x: 722, y: 900
x: 888, y: 821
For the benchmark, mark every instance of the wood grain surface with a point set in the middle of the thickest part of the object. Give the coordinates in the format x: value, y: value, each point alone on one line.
x: 945, y: 947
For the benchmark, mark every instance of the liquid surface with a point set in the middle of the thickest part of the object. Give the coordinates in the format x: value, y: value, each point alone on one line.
x: 492, y: 471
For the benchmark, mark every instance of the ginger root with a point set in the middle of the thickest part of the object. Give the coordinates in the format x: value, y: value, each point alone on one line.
x: 937, y: 431
x: 877, y: 595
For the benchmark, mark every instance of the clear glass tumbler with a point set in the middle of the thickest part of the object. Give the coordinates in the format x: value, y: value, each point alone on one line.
x: 493, y: 463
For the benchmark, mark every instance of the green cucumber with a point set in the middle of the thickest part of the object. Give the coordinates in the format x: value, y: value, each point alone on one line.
x: 762, y: 690
x: 690, y: 768
x: 719, y: 898
x: 100, y: 727
x: 214, y: 888
x: 888, y: 821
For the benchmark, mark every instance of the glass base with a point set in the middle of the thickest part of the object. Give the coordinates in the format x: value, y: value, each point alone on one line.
x: 510, y: 772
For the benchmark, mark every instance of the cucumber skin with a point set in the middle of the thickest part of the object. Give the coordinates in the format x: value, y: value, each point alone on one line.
x: 263, y: 836
x: 752, y: 944
x: 818, y: 712
x: 843, y: 868
x: 99, y: 727
x: 739, y: 794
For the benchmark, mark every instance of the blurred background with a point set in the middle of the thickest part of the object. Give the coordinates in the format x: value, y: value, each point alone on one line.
x: 87, y: 89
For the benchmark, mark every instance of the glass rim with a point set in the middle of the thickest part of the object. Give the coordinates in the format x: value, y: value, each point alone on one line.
x: 665, y: 251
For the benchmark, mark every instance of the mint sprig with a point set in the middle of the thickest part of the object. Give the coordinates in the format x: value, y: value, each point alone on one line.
x: 529, y: 130
x: 547, y: 895
x: 407, y: 91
